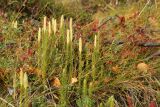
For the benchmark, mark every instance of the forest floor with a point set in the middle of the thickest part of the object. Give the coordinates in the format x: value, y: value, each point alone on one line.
x: 78, y: 55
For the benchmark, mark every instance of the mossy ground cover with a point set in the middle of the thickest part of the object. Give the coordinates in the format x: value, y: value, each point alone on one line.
x: 80, y: 55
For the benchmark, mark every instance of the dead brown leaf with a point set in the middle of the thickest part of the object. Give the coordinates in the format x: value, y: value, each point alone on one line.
x: 115, y: 69
x: 143, y: 67
x: 74, y: 80
x: 55, y: 82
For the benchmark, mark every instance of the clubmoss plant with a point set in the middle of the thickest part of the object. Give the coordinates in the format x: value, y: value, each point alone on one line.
x: 49, y: 28
x: 44, y: 23
x: 71, y: 51
x: 25, y: 84
x: 80, y: 61
x: 45, y: 38
x: 54, y: 25
x: 64, y: 89
x: 95, y: 57
x: 39, y: 46
x: 85, y: 100
x: 21, y: 88
x: 62, y: 33
x: 23, y: 99
x: 110, y: 102
x: 101, y: 105
x: 15, y: 24
x: 84, y: 88
x: 61, y: 22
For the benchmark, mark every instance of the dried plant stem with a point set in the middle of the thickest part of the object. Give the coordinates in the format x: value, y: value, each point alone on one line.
x: 6, y: 102
x: 14, y: 85
x: 144, y: 7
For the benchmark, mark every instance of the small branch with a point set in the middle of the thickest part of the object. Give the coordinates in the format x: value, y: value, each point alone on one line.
x: 105, y: 21
x: 153, y: 55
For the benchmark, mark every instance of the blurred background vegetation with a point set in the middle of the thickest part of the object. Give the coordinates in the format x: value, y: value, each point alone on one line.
x: 71, y: 8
